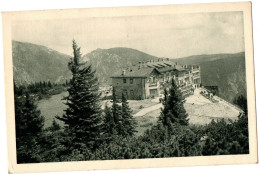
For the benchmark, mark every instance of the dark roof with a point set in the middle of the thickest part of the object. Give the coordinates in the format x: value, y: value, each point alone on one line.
x: 142, y: 72
x: 170, y: 68
x: 148, y: 67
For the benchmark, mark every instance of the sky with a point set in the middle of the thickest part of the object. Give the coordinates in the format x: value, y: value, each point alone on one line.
x: 173, y: 36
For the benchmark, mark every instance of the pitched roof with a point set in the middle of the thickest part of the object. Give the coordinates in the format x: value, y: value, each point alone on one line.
x: 148, y: 67
x: 142, y: 72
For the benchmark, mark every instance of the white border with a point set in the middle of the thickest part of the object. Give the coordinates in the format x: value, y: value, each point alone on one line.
x: 23, y: 5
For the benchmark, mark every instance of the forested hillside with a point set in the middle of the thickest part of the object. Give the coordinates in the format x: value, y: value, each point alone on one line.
x: 35, y: 63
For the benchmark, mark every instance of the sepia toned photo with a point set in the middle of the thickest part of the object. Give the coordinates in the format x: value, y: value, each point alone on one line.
x: 130, y: 87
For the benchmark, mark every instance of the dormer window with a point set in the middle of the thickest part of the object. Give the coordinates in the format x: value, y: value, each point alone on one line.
x: 124, y: 80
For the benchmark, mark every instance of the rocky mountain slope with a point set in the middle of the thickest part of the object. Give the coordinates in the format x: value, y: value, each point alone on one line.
x: 111, y: 61
x: 37, y: 63
x: 34, y: 63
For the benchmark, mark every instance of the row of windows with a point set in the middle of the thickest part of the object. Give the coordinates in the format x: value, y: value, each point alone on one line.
x: 126, y: 93
x: 131, y: 81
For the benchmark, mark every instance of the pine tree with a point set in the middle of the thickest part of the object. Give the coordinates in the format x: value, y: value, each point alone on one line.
x: 29, y: 127
x: 109, y: 123
x: 49, y: 84
x: 83, y: 116
x: 117, y: 113
x: 173, y: 112
x: 55, y: 126
x: 128, y: 121
x: 28, y: 118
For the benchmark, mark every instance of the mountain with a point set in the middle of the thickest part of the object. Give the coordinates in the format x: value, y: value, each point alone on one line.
x: 197, y: 59
x: 227, y: 71
x: 228, y: 74
x: 34, y: 63
x: 111, y: 61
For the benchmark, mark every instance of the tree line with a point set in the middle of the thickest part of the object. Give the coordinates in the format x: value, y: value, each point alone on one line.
x: 42, y: 89
x: 92, y: 133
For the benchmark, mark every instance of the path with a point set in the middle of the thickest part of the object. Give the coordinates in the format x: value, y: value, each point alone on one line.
x: 149, y: 109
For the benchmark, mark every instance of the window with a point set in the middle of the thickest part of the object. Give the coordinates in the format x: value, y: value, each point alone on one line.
x: 131, y: 81
x: 132, y: 93
x: 124, y: 80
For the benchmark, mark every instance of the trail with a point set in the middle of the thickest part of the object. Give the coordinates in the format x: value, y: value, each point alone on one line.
x: 147, y: 110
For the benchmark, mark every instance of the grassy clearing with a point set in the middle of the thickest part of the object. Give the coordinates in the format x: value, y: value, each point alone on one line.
x: 147, y: 121
x: 51, y: 107
x: 199, y: 114
x: 137, y: 105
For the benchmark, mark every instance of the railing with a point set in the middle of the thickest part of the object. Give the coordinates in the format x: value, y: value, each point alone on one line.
x: 153, y: 84
x: 196, y: 68
x: 196, y: 76
x: 216, y: 98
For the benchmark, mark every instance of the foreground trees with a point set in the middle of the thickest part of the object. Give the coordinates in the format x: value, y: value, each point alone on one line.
x: 119, y: 119
x: 83, y: 117
x: 29, y: 128
x: 173, y: 113
x: 91, y: 133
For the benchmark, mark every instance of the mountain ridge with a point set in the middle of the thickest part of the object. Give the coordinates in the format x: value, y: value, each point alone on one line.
x: 48, y: 64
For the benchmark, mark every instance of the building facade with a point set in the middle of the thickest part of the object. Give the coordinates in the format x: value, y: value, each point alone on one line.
x: 149, y: 79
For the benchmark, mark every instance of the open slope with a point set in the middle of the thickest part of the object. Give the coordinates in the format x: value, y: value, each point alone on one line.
x: 34, y: 63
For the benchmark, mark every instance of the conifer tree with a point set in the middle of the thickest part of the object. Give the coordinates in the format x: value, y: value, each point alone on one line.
x: 29, y: 127
x: 55, y: 126
x: 128, y: 121
x: 109, y: 123
x: 29, y: 121
x: 83, y: 116
x: 117, y: 113
x: 173, y: 111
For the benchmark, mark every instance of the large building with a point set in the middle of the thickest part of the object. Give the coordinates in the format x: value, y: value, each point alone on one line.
x: 148, y: 79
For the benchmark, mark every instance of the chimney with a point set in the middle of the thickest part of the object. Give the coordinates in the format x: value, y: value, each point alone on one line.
x: 140, y: 65
x: 167, y: 59
x: 176, y: 63
x: 159, y: 60
x: 123, y: 72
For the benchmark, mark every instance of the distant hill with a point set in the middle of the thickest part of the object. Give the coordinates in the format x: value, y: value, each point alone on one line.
x: 197, y: 59
x: 34, y: 63
x: 37, y: 63
x: 111, y: 61
x: 227, y: 71
x: 228, y: 74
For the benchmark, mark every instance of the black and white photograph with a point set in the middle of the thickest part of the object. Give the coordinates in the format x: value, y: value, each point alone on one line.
x: 106, y: 85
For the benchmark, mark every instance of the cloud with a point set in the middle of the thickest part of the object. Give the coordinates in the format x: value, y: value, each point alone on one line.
x: 174, y: 35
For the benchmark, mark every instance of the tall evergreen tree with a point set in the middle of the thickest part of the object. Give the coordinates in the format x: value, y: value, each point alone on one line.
x: 109, y: 123
x: 173, y: 111
x: 117, y: 113
x: 29, y: 127
x: 29, y: 121
x: 83, y: 116
x: 128, y: 122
